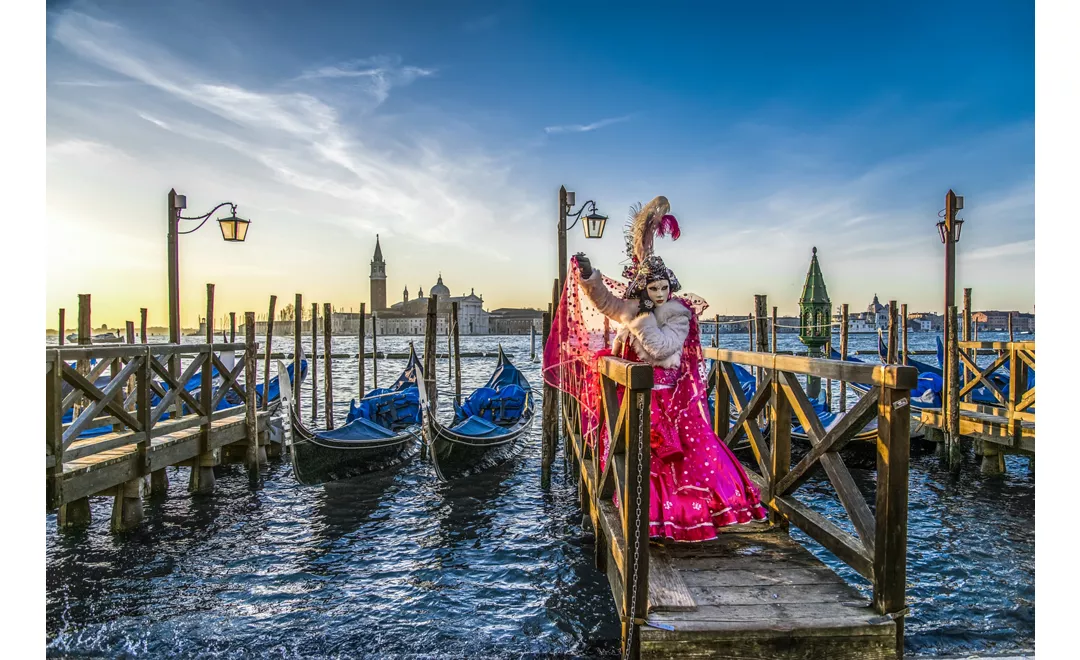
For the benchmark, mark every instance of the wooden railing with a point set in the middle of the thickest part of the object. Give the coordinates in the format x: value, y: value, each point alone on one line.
x: 1012, y: 404
x: 123, y: 401
x: 626, y: 393
x: 877, y: 549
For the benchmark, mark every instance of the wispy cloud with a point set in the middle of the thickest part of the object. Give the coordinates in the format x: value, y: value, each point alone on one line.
x: 585, y: 128
x: 1004, y: 250
x: 379, y: 74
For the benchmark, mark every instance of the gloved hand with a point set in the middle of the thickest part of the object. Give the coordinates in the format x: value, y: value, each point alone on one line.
x: 645, y: 305
x: 584, y: 265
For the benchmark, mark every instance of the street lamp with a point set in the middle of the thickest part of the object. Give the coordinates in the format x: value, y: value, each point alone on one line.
x: 233, y: 230
x: 593, y: 226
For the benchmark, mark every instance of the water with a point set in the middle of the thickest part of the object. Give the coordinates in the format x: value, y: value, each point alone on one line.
x: 395, y: 564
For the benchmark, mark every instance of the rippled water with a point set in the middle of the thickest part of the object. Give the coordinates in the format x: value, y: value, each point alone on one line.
x: 396, y: 564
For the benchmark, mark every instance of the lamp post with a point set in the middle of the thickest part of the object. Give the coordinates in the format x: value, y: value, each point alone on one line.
x: 949, y: 231
x: 593, y: 226
x: 233, y: 230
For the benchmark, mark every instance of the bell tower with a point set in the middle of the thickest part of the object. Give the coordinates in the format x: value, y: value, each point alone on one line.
x: 378, y: 279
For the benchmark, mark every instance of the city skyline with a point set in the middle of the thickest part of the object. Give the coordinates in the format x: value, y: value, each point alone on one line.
x: 449, y: 131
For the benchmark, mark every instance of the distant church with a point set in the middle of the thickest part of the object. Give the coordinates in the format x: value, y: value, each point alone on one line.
x: 409, y: 316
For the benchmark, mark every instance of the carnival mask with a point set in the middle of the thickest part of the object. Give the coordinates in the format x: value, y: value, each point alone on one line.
x: 658, y: 292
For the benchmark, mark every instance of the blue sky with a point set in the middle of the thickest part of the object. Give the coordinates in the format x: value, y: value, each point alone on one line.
x: 772, y: 129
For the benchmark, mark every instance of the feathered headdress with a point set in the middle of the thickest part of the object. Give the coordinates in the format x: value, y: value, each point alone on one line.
x: 654, y: 219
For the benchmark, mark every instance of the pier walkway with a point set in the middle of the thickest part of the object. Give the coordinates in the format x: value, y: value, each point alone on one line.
x: 754, y: 592
x: 138, y: 391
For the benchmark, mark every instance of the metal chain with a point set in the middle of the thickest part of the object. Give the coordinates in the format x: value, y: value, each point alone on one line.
x: 637, y: 526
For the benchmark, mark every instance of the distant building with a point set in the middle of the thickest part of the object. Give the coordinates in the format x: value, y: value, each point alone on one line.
x: 510, y: 321
x: 378, y: 279
x: 996, y: 321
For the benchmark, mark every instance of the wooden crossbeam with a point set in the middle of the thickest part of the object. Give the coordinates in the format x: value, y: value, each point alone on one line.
x: 230, y: 381
x: 1028, y: 357
x: 839, y: 476
x: 854, y: 421
x: 981, y: 377
x: 175, y: 390
x: 103, y: 399
x: 747, y: 413
x: 1027, y: 401
x: 75, y: 395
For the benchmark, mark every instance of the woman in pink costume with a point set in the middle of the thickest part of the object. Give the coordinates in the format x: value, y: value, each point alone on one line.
x: 697, y: 484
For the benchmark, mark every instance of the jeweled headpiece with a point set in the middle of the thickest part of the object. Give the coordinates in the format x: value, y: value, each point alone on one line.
x: 654, y: 219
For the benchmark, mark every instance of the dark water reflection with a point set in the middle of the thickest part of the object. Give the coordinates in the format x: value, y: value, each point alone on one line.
x: 397, y: 564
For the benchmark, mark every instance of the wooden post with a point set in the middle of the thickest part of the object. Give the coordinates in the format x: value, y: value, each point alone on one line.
x: 893, y: 336
x: 256, y: 454
x: 328, y: 365
x: 1012, y: 337
x: 232, y: 327
x: 314, y: 362
x: 209, y: 314
x: 952, y: 437
x: 60, y: 337
x: 298, y: 329
x: 716, y: 331
x: 780, y: 427
x: 721, y: 403
x: 450, y: 345
x: 430, y: 335
x: 761, y: 315
x: 891, y: 509
x: 267, y: 360
x: 635, y: 521
x: 201, y: 481
x: 532, y: 341
x: 142, y: 325
x: 562, y: 241
x: 750, y: 332
x: 363, y: 349
x: 965, y: 333
x: 550, y: 431
x: 843, y: 353
x: 774, y: 329
x: 457, y: 351
x: 375, y: 350
x: 129, y: 334
x: 903, y: 332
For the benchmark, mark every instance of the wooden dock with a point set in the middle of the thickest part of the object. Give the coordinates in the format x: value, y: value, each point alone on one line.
x: 138, y: 391
x: 754, y: 592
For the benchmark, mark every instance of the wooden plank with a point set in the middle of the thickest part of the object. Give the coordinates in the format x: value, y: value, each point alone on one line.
x: 853, y: 372
x: 633, y: 375
x: 667, y: 591
x: 176, y: 388
x: 890, y: 553
x: 781, y: 449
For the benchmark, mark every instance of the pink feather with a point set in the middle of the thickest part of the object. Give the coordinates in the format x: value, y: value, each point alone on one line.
x: 668, y: 223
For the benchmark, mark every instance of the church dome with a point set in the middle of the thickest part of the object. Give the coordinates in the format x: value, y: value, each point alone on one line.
x: 875, y: 306
x: 440, y: 289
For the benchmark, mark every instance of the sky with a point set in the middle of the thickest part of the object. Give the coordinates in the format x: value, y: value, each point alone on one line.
x: 771, y: 128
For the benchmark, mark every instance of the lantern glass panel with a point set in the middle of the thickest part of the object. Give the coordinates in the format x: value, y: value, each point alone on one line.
x: 594, y: 225
x: 228, y: 229
x: 241, y: 229
x: 941, y: 231
x: 957, y: 224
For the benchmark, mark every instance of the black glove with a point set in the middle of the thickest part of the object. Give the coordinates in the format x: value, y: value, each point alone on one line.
x: 645, y: 305
x: 584, y: 265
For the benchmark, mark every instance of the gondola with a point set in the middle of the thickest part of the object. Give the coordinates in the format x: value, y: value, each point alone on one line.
x: 383, y: 431
x: 487, y: 426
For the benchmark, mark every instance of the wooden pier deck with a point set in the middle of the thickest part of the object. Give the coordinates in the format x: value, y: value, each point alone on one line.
x: 754, y: 592
x: 139, y: 391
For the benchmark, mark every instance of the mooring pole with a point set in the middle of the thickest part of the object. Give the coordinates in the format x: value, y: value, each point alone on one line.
x: 550, y: 433
x: 774, y: 329
x: 314, y: 362
x: 363, y: 348
x: 843, y: 353
x: 456, y: 330
x: 60, y: 338
x: 904, y: 331
x: 375, y: 350
x: 328, y: 365
x: 298, y: 349
x: 266, y: 362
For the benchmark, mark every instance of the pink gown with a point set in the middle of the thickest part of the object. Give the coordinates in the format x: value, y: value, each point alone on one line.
x: 698, y: 485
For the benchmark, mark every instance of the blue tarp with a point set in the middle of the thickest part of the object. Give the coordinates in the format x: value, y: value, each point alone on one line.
x: 391, y: 407
x: 357, y: 429
x: 476, y: 427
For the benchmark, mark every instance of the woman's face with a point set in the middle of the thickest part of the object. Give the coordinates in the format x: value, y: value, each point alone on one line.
x: 658, y: 292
